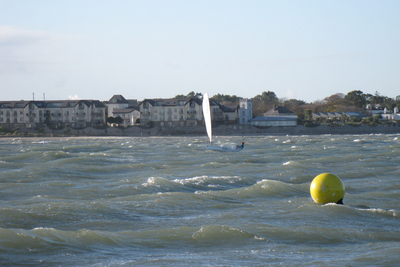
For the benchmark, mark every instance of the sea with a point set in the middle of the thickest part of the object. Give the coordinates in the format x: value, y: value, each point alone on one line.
x: 168, y: 201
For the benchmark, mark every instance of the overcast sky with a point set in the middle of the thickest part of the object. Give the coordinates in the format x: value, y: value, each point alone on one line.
x: 306, y: 50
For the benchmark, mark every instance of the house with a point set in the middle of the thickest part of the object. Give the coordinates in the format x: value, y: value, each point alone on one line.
x: 55, y: 113
x: 277, y: 116
x: 116, y: 102
x: 221, y: 114
x: 265, y: 121
x: 130, y: 116
x: 374, y: 109
x: 279, y: 111
x: 387, y: 115
x: 337, y: 115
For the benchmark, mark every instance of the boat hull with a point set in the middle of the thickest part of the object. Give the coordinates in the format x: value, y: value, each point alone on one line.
x: 223, y: 148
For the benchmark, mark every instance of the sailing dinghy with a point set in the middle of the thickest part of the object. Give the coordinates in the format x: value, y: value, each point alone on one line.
x: 207, y: 119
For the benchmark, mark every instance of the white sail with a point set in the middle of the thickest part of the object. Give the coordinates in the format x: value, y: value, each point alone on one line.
x: 207, y: 115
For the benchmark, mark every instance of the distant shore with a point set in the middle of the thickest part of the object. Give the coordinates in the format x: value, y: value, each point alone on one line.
x: 222, y: 130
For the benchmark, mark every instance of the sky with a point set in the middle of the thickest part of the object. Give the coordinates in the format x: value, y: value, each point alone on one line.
x: 93, y: 49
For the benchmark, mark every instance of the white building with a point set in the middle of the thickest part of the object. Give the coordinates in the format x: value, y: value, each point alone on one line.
x: 387, y: 115
x: 278, y: 116
x: 171, y: 112
x: 130, y: 116
x: 55, y: 113
x: 183, y: 112
x: 245, y: 110
x: 116, y: 102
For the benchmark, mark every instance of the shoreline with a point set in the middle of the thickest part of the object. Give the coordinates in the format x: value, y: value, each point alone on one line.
x: 222, y: 130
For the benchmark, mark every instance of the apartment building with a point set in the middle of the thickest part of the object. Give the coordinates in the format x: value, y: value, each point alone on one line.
x: 56, y: 114
x: 182, y: 112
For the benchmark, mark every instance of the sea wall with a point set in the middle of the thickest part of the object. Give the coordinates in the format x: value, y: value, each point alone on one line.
x: 222, y: 130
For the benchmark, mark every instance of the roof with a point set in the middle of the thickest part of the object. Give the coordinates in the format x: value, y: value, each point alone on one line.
x: 171, y: 101
x: 117, y: 99
x: 50, y: 103
x: 226, y: 109
x: 278, y: 110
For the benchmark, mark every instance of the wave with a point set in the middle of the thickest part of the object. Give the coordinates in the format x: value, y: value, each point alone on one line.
x: 51, y: 240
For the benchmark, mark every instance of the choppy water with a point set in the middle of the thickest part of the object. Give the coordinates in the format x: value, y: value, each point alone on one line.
x: 169, y: 201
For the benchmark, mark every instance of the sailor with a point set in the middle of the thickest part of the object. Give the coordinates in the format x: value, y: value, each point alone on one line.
x: 240, y: 146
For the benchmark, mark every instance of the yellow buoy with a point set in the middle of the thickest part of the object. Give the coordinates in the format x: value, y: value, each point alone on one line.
x: 327, y: 188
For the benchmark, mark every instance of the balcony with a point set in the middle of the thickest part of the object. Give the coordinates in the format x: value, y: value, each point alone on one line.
x: 192, y: 112
x: 31, y: 114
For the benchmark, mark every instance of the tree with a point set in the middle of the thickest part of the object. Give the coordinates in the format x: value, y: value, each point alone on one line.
x: 308, y: 114
x: 376, y: 118
x: 191, y: 94
x: 357, y: 98
x: 267, y: 97
x: 118, y: 120
x: 110, y: 120
x: 378, y: 99
x: 297, y: 106
x: 334, y: 99
x: 344, y: 118
x: 225, y: 98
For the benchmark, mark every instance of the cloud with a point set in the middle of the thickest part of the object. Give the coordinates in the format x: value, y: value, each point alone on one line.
x: 75, y: 97
x: 290, y: 94
x: 12, y: 36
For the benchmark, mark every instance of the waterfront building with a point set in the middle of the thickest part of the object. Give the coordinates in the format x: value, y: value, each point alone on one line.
x: 171, y: 112
x: 55, y: 114
x: 130, y: 116
x: 277, y: 116
x: 184, y: 112
x: 337, y: 115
